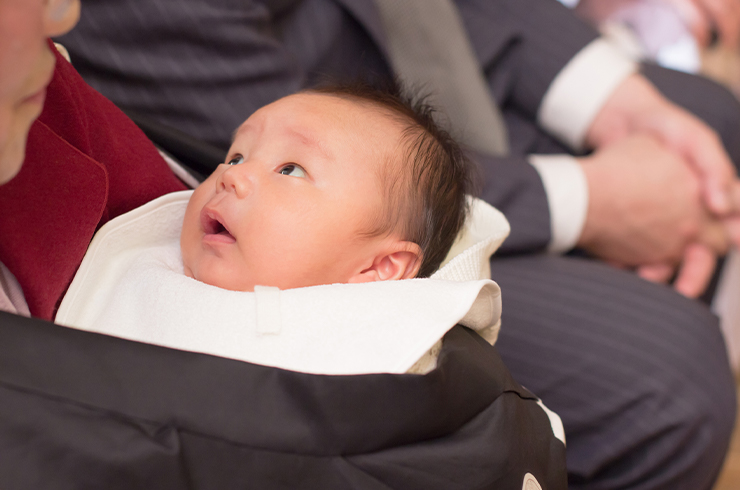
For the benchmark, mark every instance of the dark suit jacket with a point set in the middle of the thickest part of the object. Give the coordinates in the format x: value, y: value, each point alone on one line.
x: 204, y: 67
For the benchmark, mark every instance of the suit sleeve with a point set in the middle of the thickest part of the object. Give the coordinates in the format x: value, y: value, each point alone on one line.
x: 522, y: 46
x: 207, y: 81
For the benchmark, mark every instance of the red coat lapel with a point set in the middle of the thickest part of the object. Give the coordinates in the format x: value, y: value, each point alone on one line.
x: 86, y: 162
x: 49, y: 213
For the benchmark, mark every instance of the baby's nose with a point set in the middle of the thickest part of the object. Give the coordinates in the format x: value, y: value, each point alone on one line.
x: 236, y: 179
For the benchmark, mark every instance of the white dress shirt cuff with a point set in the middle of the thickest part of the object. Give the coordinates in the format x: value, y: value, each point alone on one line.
x: 567, y: 197
x: 580, y: 90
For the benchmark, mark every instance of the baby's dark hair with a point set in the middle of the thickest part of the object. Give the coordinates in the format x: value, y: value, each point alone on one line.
x: 427, y: 205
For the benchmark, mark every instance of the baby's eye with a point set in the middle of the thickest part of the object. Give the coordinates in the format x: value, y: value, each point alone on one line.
x: 293, y: 170
x: 236, y: 160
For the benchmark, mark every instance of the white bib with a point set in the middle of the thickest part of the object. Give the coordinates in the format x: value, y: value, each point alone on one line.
x: 131, y: 285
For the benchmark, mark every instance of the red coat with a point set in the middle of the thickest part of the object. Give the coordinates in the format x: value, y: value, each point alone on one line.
x: 86, y: 162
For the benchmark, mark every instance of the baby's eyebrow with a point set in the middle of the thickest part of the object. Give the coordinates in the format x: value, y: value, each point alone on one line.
x: 307, y: 138
x: 236, y: 132
x: 311, y: 140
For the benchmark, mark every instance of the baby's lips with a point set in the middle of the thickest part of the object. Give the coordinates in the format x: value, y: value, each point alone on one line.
x: 211, y: 222
x: 215, y: 231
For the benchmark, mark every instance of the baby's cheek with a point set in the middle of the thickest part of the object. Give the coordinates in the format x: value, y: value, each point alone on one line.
x: 187, y: 263
x: 188, y: 241
x: 187, y: 271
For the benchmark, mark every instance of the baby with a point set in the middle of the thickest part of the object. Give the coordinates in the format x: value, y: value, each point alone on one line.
x: 336, y: 185
x: 323, y: 188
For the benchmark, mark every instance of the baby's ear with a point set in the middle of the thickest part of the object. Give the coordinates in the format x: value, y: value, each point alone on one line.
x: 401, y: 261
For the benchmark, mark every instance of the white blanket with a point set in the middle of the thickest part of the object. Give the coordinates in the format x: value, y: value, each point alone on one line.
x: 131, y: 285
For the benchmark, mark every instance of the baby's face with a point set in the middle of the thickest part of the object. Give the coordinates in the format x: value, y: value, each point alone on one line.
x: 289, y: 207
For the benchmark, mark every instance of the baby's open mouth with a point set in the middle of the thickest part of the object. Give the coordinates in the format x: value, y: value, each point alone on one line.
x: 212, y: 225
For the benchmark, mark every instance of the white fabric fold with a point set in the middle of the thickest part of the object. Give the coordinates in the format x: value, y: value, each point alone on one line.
x: 131, y: 285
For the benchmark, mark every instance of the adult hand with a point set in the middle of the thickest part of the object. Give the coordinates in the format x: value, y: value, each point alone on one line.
x: 694, y: 273
x: 645, y: 208
x: 637, y: 107
x: 702, y: 16
x: 698, y: 262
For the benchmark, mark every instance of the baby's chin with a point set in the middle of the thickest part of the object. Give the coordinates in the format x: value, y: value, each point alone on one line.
x: 243, y: 284
x: 218, y: 282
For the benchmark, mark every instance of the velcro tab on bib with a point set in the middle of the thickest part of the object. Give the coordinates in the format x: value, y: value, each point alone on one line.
x: 267, y: 308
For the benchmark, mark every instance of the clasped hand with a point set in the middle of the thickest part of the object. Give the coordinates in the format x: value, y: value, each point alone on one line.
x: 664, y: 197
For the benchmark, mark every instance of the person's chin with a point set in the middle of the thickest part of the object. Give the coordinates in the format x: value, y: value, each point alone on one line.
x: 36, y: 101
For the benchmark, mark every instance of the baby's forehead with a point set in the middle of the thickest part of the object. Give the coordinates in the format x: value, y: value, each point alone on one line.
x: 356, y: 109
x: 331, y: 106
x: 336, y: 117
